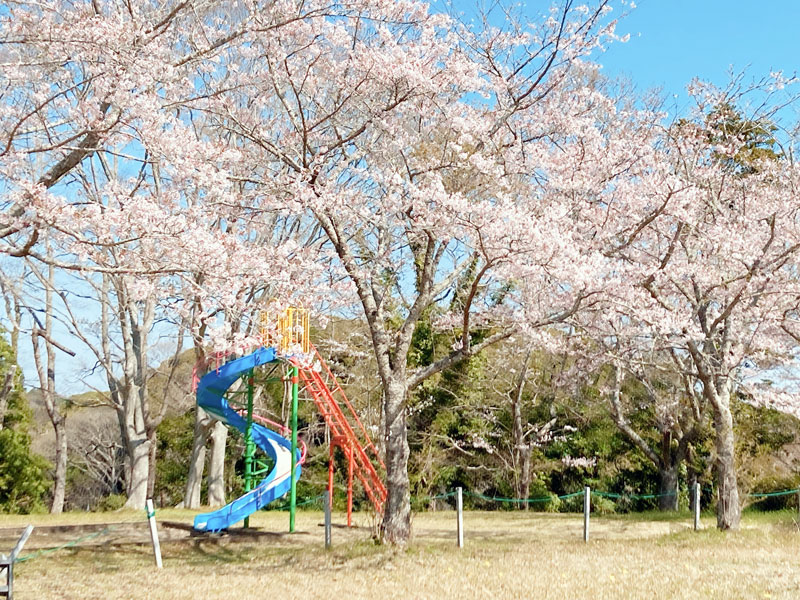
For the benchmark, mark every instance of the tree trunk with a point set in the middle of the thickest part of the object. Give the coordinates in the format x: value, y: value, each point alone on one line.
x: 202, y: 424
x: 668, y: 472
x: 60, y: 475
x: 691, y: 471
x: 525, y: 476
x: 152, y: 439
x: 46, y: 371
x: 668, y: 489
x: 729, y: 512
x: 216, y: 467
x: 137, y: 450
x: 521, y: 453
x: 5, y: 390
x: 396, y: 526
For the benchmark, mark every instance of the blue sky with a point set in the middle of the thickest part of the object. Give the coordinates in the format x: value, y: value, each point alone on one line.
x: 673, y: 41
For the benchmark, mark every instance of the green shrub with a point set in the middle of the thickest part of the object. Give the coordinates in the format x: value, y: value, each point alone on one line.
x: 544, y: 499
x: 600, y: 505
x: 553, y: 505
x: 603, y: 506
x: 24, y: 479
x: 175, y: 435
x: 572, y: 504
x: 770, y: 485
x: 112, y: 503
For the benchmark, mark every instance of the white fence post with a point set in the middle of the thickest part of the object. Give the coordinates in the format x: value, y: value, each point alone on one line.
x: 587, y: 507
x: 151, y: 517
x: 460, y: 511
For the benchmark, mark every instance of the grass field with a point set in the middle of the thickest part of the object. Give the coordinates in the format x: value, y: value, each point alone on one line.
x: 506, y: 555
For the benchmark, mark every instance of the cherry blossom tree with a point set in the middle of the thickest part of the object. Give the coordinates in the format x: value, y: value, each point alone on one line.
x: 133, y: 193
x: 42, y: 334
x: 717, y: 286
x: 161, y: 143
x: 27, y: 290
x: 433, y: 157
x: 655, y: 404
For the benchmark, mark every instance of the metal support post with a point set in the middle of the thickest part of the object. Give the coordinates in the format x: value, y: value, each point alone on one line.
x: 696, y: 506
x: 293, y: 493
x: 7, y: 564
x: 350, y: 487
x: 326, y: 503
x: 331, y: 450
x: 249, y: 444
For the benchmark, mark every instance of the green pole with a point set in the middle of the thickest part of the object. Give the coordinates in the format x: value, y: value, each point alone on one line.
x: 249, y: 445
x: 293, y: 493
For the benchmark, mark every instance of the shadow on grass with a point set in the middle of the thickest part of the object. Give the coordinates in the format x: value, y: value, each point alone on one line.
x: 278, y: 558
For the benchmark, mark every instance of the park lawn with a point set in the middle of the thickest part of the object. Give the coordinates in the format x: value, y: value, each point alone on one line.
x: 506, y: 555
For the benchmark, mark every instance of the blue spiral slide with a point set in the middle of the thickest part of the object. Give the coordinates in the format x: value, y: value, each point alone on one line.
x: 211, y: 398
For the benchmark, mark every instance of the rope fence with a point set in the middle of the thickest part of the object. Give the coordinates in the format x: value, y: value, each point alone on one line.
x: 598, y: 493
x: 509, y: 501
x: 773, y: 494
x: 587, y: 493
x: 458, y: 494
x: 149, y: 516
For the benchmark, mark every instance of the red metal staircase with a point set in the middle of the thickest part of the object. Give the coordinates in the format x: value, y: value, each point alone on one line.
x: 347, y: 431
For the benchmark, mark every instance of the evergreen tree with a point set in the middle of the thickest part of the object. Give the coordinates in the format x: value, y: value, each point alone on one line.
x: 23, y: 474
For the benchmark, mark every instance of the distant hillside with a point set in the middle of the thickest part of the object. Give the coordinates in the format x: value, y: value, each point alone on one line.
x: 92, y: 410
x: 80, y: 418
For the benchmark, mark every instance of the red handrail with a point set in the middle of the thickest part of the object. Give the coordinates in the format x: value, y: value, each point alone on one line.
x: 324, y: 396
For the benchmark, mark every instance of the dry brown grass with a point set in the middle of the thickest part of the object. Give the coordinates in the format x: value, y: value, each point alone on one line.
x: 507, y: 555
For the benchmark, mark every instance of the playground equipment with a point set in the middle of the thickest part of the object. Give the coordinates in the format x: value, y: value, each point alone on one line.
x: 7, y: 565
x: 289, y: 344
